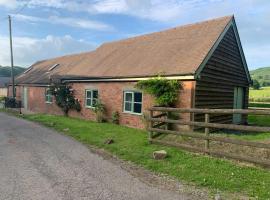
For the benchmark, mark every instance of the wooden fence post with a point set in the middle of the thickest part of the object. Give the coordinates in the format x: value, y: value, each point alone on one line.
x: 206, y: 131
x: 150, y: 133
x: 167, y: 124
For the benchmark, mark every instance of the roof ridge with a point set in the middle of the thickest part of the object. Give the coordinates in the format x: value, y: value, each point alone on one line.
x: 169, y: 29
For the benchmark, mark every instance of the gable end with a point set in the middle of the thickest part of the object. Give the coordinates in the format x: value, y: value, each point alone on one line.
x: 231, y: 26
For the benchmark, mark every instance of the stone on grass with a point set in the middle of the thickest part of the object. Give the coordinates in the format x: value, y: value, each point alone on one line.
x: 109, y: 141
x: 158, y: 155
x: 66, y: 129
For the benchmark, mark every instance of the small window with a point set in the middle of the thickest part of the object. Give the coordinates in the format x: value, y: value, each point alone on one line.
x: 48, y: 96
x: 133, y: 102
x: 91, y: 97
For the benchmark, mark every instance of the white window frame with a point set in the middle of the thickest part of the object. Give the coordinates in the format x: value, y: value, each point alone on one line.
x: 132, y: 102
x: 48, y: 96
x: 86, y: 98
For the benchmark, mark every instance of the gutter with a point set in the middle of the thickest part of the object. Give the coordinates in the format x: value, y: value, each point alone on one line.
x: 185, y: 77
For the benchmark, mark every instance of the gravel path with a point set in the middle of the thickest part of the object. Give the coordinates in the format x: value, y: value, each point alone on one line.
x: 38, y: 163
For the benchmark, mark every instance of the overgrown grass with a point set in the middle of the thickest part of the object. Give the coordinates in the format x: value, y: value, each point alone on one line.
x: 131, y: 145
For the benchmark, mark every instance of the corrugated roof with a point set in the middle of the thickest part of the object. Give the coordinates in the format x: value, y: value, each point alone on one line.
x: 177, y: 51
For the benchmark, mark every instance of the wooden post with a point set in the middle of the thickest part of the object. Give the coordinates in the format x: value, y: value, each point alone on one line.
x: 150, y: 124
x: 167, y: 124
x: 206, y: 131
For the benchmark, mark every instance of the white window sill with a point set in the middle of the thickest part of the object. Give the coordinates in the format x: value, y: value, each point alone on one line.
x: 132, y: 113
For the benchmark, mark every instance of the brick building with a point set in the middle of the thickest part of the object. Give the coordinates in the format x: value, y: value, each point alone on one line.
x: 206, y: 57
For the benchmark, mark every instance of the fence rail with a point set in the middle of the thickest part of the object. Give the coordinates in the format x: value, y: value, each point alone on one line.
x: 156, y: 122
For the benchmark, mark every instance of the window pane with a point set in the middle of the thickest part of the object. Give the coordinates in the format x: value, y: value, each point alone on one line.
x: 88, y: 102
x: 137, y: 107
x: 128, y: 96
x: 95, y: 94
x: 127, y: 106
x: 88, y: 94
x: 94, y: 102
x: 138, y: 97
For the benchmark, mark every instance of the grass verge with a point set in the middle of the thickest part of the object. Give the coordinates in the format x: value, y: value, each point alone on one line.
x: 131, y: 145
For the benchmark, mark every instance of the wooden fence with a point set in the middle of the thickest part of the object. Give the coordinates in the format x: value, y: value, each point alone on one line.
x: 156, y: 122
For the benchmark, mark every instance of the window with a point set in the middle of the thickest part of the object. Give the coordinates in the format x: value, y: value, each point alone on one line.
x: 48, y: 96
x: 91, y: 97
x: 133, y: 102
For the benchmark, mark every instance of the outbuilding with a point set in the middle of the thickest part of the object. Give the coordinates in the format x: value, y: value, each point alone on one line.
x: 207, y: 57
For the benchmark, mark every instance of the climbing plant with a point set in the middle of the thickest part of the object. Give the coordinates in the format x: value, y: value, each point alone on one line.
x: 165, y: 91
x: 64, y: 98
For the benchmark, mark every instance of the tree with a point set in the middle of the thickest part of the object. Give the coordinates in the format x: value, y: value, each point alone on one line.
x: 256, y: 85
x: 64, y: 98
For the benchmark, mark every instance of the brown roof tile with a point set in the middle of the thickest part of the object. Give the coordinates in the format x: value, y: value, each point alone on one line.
x: 177, y: 51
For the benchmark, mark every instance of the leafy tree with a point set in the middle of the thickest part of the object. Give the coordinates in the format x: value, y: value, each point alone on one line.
x: 64, y: 98
x: 256, y: 85
x: 164, y: 90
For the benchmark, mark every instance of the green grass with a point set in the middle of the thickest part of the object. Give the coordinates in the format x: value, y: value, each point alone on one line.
x: 261, y: 95
x: 259, y: 105
x: 253, y: 120
x: 131, y: 145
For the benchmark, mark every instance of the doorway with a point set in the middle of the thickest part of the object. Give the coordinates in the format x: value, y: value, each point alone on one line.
x: 238, y: 104
x: 25, y: 97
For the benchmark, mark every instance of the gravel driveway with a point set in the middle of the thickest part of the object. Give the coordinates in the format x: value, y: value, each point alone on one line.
x: 38, y: 163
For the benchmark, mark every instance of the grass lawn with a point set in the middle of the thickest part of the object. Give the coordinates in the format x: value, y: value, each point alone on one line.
x: 131, y: 145
x: 258, y: 120
x: 259, y: 105
x: 261, y: 95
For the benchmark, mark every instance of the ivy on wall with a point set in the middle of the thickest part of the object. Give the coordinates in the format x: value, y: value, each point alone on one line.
x: 165, y: 91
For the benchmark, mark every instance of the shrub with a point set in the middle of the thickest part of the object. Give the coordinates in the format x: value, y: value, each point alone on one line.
x: 115, y: 117
x: 64, y: 98
x: 99, y: 110
x: 165, y: 91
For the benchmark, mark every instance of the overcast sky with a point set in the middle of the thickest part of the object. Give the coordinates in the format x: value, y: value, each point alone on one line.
x: 49, y: 28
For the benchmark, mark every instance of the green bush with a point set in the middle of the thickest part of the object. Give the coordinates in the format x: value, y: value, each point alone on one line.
x: 164, y: 90
x: 64, y: 98
x: 115, y: 117
x: 99, y: 110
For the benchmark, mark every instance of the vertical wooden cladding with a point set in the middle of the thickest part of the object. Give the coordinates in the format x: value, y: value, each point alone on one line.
x: 223, y: 71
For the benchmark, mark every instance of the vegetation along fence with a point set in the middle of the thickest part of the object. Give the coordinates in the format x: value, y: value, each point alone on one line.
x: 157, y: 122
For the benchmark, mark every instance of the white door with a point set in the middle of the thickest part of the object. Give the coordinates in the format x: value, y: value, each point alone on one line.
x: 25, y: 97
x: 238, y: 103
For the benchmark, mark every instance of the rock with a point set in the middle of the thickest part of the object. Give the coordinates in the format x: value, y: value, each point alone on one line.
x: 66, y: 129
x: 109, y: 141
x: 158, y: 155
x: 52, y: 124
x: 218, y: 197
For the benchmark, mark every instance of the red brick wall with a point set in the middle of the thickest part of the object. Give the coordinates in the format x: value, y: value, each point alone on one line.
x: 111, y: 95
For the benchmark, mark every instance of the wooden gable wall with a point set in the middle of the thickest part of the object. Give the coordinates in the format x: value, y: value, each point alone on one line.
x: 223, y: 71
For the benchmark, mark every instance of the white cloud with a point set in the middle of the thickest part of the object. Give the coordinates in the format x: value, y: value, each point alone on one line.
x: 67, y: 21
x: 9, y: 4
x: 28, y: 50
